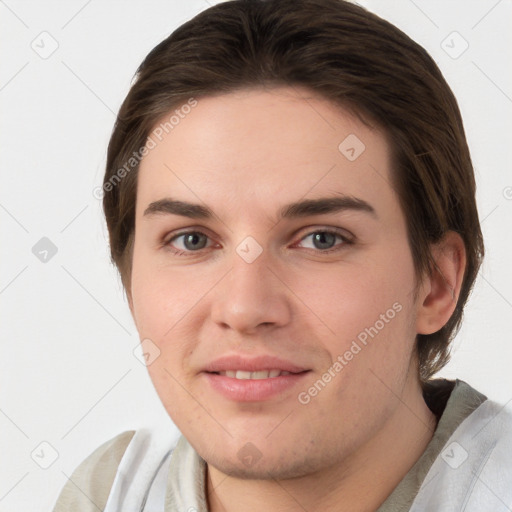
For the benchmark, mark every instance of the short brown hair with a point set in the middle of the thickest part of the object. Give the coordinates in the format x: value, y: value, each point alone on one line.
x: 352, y: 58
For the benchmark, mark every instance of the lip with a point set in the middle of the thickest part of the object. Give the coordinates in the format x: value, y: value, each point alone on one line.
x: 252, y: 390
x: 252, y: 364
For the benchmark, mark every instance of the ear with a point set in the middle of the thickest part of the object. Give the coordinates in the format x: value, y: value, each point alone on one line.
x: 440, y: 291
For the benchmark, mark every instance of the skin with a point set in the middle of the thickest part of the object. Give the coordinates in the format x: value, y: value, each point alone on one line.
x: 245, y: 155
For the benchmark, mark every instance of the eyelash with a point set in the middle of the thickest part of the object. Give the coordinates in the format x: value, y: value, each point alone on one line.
x: 346, y: 241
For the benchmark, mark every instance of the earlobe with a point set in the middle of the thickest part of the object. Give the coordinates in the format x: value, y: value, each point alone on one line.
x: 442, y: 288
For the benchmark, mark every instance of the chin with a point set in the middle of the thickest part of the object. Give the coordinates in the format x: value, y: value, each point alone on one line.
x: 273, y: 462
x: 264, y: 470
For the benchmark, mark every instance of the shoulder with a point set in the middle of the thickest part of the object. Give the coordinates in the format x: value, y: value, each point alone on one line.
x: 474, y: 467
x: 88, y: 488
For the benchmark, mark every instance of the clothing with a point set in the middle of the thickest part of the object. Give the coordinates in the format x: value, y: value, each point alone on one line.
x: 467, y: 462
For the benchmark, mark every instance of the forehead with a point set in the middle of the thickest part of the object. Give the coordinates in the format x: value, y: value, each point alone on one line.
x: 260, y: 147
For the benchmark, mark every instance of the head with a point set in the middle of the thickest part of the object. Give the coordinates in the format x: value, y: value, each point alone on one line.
x: 240, y: 114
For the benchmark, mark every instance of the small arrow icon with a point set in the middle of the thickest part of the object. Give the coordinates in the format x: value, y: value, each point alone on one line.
x: 454, y: 45
x: 249, y: 249
x: 44, y: 455
x: 454, y: 455
x: 351, y: 147
x: 44, y: 250
x: 249, y: 454
x: 146, y: 352
x: 44, y: 45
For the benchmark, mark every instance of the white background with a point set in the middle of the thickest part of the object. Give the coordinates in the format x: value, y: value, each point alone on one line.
x: 68, y: 373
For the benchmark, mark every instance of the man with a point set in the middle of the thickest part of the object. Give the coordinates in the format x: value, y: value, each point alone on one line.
x: 291, y: 205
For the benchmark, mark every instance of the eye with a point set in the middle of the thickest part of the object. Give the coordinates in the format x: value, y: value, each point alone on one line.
x: 190, y: 241
x: 325, y: 240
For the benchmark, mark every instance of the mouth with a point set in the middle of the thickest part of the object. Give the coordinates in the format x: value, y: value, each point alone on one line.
x: 257, y: 379
x: 256, y: 375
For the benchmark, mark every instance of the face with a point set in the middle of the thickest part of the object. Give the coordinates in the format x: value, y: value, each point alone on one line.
x: 272, y: 274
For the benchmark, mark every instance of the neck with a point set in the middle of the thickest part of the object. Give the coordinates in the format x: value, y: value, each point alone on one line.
x: 352, y: 484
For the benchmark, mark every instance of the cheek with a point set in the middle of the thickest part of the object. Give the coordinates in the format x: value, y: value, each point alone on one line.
x: 350, y: 299
x: 370, y: 312
x: 161, y: 296
x: 162, y: 303
x: 160, y: 314
x: 169, y: 309
x: 171, y: 387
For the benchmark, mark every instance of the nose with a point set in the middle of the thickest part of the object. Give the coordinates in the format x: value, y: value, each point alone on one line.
x: 251, y: 297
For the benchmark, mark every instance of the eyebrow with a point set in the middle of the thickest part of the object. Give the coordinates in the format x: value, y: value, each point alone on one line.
x: 303, y: 208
